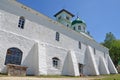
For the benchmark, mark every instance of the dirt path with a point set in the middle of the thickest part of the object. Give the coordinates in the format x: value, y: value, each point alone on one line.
x: 34, y: 78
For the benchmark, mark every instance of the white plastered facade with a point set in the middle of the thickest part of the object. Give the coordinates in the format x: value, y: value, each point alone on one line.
x: 38, y: 44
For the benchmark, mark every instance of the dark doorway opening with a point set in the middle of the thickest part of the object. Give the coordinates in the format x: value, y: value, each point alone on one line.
x: 80, y: 66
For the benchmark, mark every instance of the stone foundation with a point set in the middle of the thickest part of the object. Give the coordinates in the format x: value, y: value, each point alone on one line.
x: 16, y: 70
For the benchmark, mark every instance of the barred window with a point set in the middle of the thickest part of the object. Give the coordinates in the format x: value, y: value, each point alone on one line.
x: 13, y: 56
x: 21, y: 22
x: 55, y: 62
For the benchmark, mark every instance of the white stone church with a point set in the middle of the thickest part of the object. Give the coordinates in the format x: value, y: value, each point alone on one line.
x: 47, y: 47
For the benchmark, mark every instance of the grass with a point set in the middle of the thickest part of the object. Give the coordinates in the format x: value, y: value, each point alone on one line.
x: 56, y: 76
x: 101, y: 77
x: 3, y: 74
x: 42, y: 76
x: 110, y: 77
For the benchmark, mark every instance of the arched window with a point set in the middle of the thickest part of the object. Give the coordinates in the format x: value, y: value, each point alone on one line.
x: 21, y: 22
x: 79, y: 27
x: 55, y: 62
x: 57, y: 36
x: 13, y: 56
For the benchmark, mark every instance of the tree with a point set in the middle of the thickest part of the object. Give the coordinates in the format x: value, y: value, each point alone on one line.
x: 114, y: 51
x: 114, y: 47
x: 109, y: 37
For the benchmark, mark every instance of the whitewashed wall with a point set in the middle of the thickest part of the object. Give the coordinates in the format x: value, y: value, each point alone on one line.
x: 9, y: 40
x: 41, y: 29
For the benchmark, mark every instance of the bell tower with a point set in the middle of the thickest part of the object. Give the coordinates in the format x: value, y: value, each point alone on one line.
x: 64, y: 17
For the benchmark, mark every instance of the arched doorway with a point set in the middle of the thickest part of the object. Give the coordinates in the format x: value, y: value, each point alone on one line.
x: 13, y: 56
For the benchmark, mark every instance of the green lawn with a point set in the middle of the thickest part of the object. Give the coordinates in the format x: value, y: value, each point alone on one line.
x: 110, y: 77
x: 101, y: 77
x: 2, y: 74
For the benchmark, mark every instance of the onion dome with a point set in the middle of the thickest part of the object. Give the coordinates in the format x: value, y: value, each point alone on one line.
x: 77, y: 21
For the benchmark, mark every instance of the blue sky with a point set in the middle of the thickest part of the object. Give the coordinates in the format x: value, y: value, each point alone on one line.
x: 101, y: 16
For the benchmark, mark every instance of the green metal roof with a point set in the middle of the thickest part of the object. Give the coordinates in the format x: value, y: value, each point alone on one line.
x: 77, y: 21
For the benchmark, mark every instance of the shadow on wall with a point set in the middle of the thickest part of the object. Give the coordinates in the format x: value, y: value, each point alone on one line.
x: 65, y: 65
x: 90, y: 67
x: 68, y: 66
x: 31, y: 60
x: 3, y: 68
